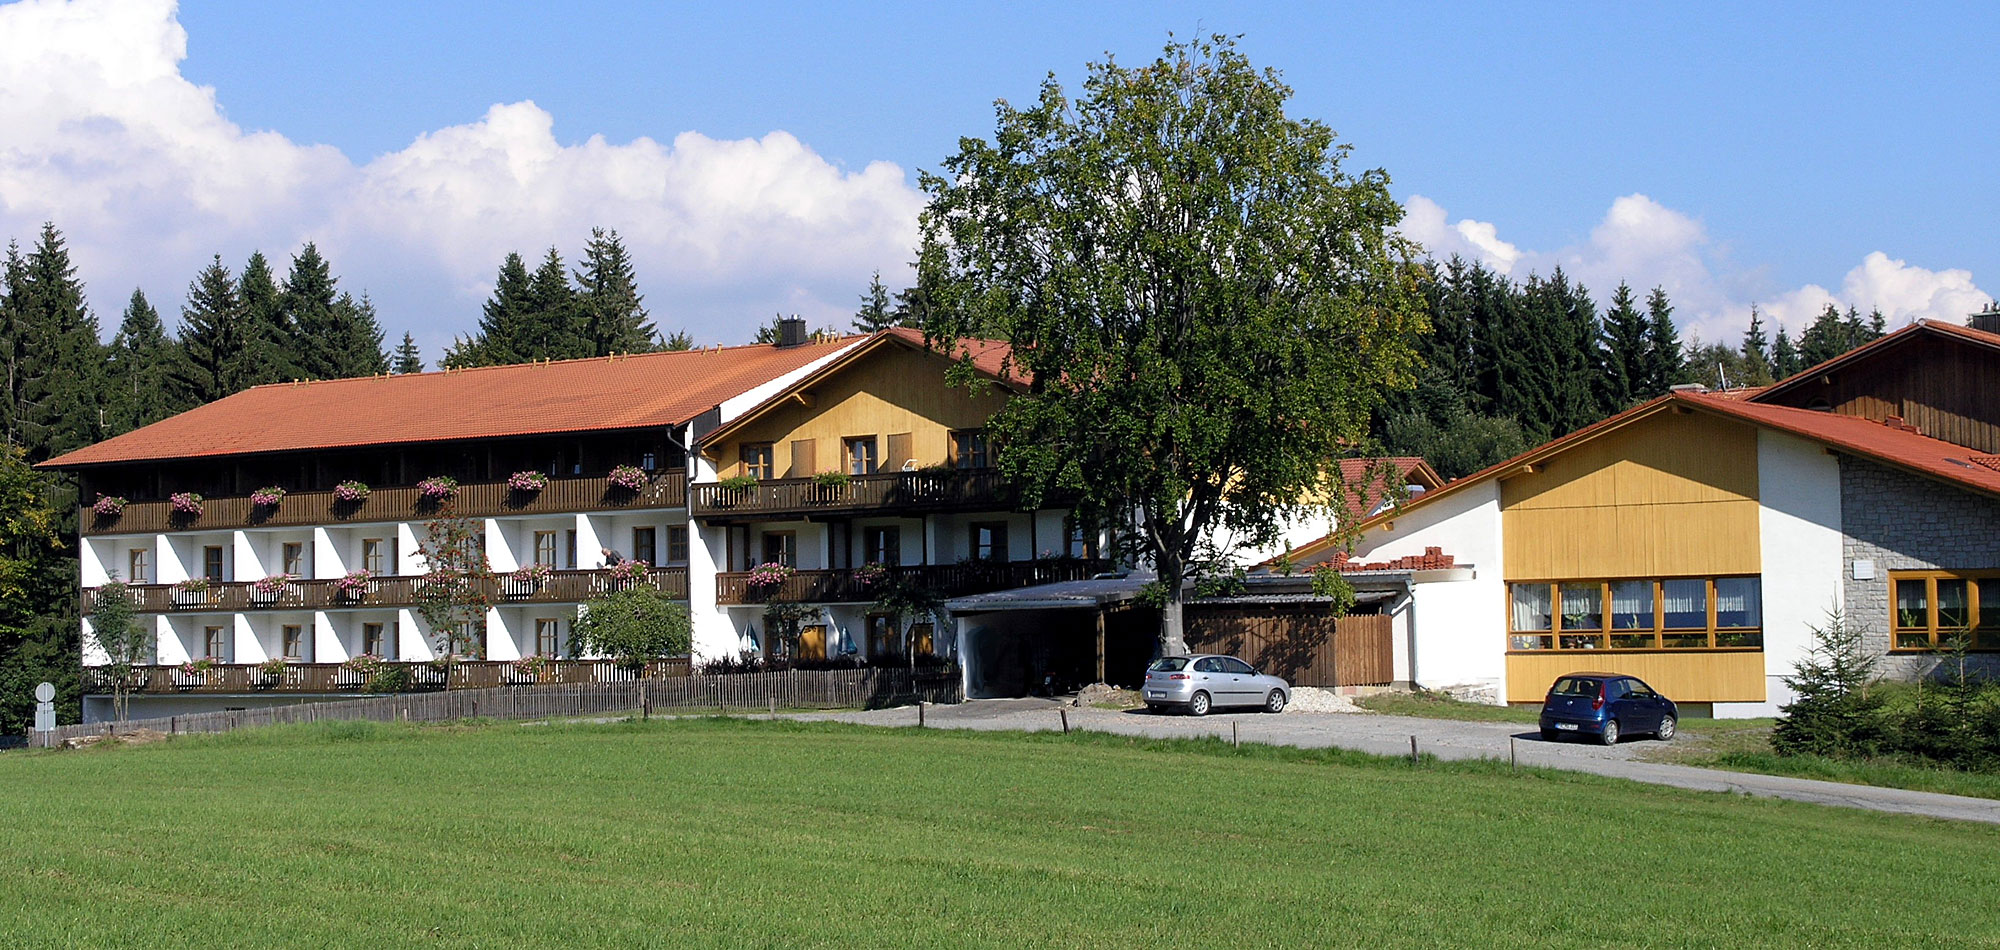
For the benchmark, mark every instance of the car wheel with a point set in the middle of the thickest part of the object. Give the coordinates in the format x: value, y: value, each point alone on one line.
x: 1198, y: 706
x: 1550, y: 735
x: 1275, y: 703
x: 1610, y: 736
x: 1667, y: 729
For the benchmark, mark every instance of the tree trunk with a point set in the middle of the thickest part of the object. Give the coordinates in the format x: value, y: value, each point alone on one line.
x: 1172, y: 624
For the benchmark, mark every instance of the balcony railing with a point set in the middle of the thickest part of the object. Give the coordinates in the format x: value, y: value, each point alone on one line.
x: 949, y: 580
x: 419, y: 676
x: 904, y: 491
x: 474, y: 499
x: 326, y: 594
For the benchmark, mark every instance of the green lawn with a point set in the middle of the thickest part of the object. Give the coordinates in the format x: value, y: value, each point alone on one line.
x: 731, y: 833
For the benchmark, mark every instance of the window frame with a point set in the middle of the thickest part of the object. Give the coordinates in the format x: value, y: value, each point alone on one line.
x: 882, y: 544
x: 789, y: 549
x: 214, y: 564
x: 677, y: 544
x: 997, y: 550
x: 292, y: 558
x: 1569, y: 634
x: 867, y: 460
x: 548, y: 630
x: 292, y: 641
x: 748, y: 459
x: 138, y: 565
x: 1934, y: 634
x: 375, y: 633
x: 649, y: 552
x: 372, y: 556
x: 215, y: 644
x: 538, y: 548
x: 971, y: 450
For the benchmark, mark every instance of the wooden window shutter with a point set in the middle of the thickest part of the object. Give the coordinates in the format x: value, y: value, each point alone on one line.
x: 805, y: 458
x: 896, y: 454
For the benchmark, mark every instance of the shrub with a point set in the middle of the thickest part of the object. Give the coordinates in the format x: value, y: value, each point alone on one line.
x: 1831, y: 713
x: 388, y: 679
x: 351, y: 490
x: 746, y: 662
x: 527, y: 482
x: 636, y: 625
x: 533, y: 666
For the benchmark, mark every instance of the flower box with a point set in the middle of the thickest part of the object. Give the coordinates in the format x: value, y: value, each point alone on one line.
x: 871, y: 573
x: 769, y: 575
x: 526, y: 581
x: 269, y: 589
x: 351, y: 491
x: 626, y: 572
x: 193, y: 592
x: 108, y: 506
x: 438, y: 488
x: 267, y: 497
x: 355, y: 584
x: 531, y: 669
x: 628, y: 477
x: 527, y: 483
x: 185, y: 503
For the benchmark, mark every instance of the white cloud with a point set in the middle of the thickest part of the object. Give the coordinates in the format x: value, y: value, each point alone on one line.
x: 147, y: 177
x: 1647, y: 244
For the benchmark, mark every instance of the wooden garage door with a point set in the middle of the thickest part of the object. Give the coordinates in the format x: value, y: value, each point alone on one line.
x: 1300, y: 642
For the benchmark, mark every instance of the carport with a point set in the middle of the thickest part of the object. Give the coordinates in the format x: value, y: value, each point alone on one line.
x: 1089, y: 631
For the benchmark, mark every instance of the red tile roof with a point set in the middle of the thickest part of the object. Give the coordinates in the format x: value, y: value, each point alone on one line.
x: 1871, y: 349
x: 1409, y: 470
x: 1433, y: 559
x: 988, y: 356
x: 624, y: 392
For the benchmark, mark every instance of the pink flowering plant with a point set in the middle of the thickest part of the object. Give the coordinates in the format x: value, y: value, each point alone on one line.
x: 201, y: 665
x: 351, y: 490
x: 109, y: 506
x: 628, y: 477
x: 628, y: 571
x: 871, y: 573
x: 267, y: 497
x: 185, y: 503
x: 273, y: 667
x: 274, y: 584
x: 527, y: 482
x: 365, y: 664
x: 355, y: 583
x: 770, y: 574
x: 534, y: 574
x: 438, y: 488
x: 192, y: 585
x: 533, y: 666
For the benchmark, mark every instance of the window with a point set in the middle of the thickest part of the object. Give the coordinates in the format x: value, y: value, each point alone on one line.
x: 211, y: 562
x: 781, y: 547
x: 293, y: 556
x: 968, y: 450
x: 860, y: 454
x: 649, y: 460
x: 677, y: 544
x: 989, y: 540
x: 569, y: 549
x: 138, y: 569
x: 375, y: 639
x: 1230, y: 664
x: 1077, y: 540
x: 921, y: 638
x: 545, y: 548
x: 214, y: 644
x: 1933, y: 607
x: 644, y: 546
x: 812, y: 642
x: 371, y: 555
x: 548, y: 636
x: 1676, y: 613
x: 882, y: 545
x: 294, y: 637
x: 757, y: 460
x: 882, y: 638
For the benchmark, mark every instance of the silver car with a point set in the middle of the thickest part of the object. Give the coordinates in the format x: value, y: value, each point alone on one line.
x: 1205, y: 681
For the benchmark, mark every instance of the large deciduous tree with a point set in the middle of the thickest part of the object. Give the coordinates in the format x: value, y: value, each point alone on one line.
x: 1207, y: 307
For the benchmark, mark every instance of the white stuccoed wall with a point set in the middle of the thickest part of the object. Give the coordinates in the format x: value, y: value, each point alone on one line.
x: 1454, y: 632
x: 1798, y: 527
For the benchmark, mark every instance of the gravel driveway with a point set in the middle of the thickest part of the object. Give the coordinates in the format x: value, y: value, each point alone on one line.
x: 1444, y: 738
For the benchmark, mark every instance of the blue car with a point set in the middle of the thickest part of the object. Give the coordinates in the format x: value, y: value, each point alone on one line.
x: 1606, y: 706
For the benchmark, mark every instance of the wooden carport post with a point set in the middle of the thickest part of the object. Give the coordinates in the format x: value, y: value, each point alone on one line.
x: 1100, y: 644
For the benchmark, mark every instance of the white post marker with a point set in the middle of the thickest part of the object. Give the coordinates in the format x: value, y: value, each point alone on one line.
x: 45, y: 712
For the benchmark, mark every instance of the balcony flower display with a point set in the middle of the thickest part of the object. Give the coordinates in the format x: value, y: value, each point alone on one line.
x: 871, y: 573
x: 354, y: 584
x: 527, y: 483
x: 438, y: 488
x: 193, y: 585
x: 108, y: 506
x: 533, y: 667
x: 628, y: 477
x: 737, y: 483
x: 625, y: 572
x: 267, y: 497
x: 185, y: 503
x: 536, y: 574
x: 770, y: 574
x: 275, y: 584
x: 202, y: 665
x: 351, y: 490
x: 366, y: 664
x: 272, y: 668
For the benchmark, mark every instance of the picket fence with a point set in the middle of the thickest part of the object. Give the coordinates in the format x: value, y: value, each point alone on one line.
x: 740, y: 692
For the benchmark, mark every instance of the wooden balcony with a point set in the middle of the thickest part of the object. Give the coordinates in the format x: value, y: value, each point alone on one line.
x: 421, y: 676
x: 949, y: 580
x: 914, y: 492
x: 325, y: 594
x: 406, y: 503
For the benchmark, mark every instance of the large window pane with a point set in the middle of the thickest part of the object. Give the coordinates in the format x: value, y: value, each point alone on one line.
x: 1531, y: 607
x: 1531, y: 641
x: 1583, y: 606
x: 1738, y: 602
x: 1631, y: 605
x: 1952, y: 608
x: 1685, y: 603
x: 1912, y: 603
x: 1989, y: 615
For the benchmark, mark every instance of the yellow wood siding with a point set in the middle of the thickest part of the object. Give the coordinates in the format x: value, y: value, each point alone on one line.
x: 897, y: 395
x: 1668, y: 495
x: 1703, y: 677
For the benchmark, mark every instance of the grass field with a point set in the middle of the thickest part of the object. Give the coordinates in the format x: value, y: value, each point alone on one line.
x: 733, y: 833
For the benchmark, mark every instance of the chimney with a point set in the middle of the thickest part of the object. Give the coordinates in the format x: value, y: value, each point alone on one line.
x: 1987, y: 319
x: 791, y: 332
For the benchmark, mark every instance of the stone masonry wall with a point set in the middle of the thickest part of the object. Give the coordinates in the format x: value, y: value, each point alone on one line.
x: 1903, y: 522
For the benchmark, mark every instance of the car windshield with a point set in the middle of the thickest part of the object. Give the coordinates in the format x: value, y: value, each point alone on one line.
x: 1168, y: 664
x: 1574, y: 686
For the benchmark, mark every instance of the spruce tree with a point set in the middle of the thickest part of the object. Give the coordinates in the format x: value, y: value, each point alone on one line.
x: 1664, y: 359
x: 1825, y: 338
x: 212, y: 339
x: 59, y: 363
x: 1622, y: 349
x: 1755, y: 352
x: 1785, y: 361
x: 408, y: 358
x: 268, y: 335
x: 678, y: 341
x: 609, y: 299
x: 554, y: 328
x: 875, y: 314
x: 1877, y: 324
x: 138, y: 390
x: 1448, y: 348
x: 309, y: 300
x: 356, y: 345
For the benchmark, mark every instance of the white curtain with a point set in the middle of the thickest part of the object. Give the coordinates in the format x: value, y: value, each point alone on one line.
x: 1738, y: 602
x: 1531, y: 607
x: 1631, y: 605
x: 1686, y: 603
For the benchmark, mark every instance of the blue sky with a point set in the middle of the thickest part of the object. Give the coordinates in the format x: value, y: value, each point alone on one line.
x: 1775, y: 150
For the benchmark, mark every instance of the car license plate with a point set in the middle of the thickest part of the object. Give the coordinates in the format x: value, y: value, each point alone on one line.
x: 1566, y: 725
x: 1154, y: 694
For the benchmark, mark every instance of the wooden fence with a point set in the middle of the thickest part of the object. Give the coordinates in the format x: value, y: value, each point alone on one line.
x: 1300, y: 642
x: 743, y: 692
